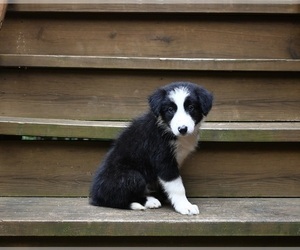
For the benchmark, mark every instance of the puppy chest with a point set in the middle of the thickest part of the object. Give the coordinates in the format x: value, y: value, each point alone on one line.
x: 183, y: 146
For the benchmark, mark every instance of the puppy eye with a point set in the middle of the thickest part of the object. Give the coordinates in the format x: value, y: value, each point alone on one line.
x: 191, y: 108
x: 171, y: 110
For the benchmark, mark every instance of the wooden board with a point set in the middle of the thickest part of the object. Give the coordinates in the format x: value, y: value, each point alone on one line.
x: 65, y: 168
x: 243, y: 169
x: 218, y: 217
x: 121, y: 95
x: 152, y: 63
x: 107, y: 130
x: 3, y: 7
x: 165, y: 6
x: 179, y: 36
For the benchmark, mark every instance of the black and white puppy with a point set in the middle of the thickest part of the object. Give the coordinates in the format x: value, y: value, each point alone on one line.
x: 146, y: 157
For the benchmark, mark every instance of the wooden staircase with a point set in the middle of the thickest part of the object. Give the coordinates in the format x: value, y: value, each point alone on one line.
x: 72, y: 76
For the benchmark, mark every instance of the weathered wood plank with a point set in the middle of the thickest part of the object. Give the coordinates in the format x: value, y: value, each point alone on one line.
x: 182, y: 36
x: 48, y: 168
x: 243, y: 170
x: 3, y: 7
x: 218, y: 217
x: 165, y: 6
x: 107, y: 130
x: 121, y: 95
x: 65, y: 168
x: 102, y: 62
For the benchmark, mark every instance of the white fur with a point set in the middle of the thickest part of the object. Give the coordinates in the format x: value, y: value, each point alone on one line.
x: 152, y: 202
x: 176, y: 193
x: 184, y: 145
x: 181, y: 117
x: 136, y: 206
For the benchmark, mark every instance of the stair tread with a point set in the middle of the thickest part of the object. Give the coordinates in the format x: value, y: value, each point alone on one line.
x: 159, y: 63
x: 210, y: 131
x: 166, y: 6
x: 218, y: 216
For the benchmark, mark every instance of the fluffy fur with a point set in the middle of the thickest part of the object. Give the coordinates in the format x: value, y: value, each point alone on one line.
x: 142, y: 167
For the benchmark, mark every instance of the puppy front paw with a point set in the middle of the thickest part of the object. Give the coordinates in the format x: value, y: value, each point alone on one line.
x: 152, y: 202
x: 187, y: 208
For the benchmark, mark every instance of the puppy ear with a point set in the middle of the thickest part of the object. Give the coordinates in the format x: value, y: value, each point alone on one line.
x: 205, y: 99
x: 155, y: 101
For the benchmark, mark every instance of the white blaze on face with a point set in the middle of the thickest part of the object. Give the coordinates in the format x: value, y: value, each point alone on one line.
x: 181, y: 117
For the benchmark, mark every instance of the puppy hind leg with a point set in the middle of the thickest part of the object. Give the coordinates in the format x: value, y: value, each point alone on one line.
x: 137, y: 206
x: 136, y: 185
x: 149, y: 202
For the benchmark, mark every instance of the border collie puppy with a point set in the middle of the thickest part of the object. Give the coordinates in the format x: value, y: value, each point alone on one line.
x: 145, y: 159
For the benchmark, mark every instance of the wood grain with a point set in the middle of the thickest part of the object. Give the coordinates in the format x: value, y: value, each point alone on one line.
x: 218, y: 217
x: 3, y: 7
x: 46, y: 168
x: 65, y: 168
x: 122, y: 95
x: 183, y: 36
x: 122, y: 52
x: 165, y: 6
x: 243, y: 169
x: 148, y: 63
x: 107, y: 130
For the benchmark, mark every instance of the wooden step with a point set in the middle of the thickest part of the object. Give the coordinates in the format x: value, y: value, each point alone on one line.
x: 65, y: 168
x: 149, y: 63
x: 166, y: 6
x: 218, y: 217
x: 107, y: 130
x: 120, y: 95
x: 64, y: 81
x: 183, y: 41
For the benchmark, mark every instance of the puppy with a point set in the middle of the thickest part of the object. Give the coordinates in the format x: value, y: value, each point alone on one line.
x: 142, y: 167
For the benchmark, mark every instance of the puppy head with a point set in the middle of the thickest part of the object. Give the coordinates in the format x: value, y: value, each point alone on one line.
x: 181, y: 106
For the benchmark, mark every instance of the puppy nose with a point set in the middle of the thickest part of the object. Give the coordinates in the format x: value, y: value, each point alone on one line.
x: 182, y: 130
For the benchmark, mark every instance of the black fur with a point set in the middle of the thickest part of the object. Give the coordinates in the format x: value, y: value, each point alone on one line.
x: 143, y: 152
